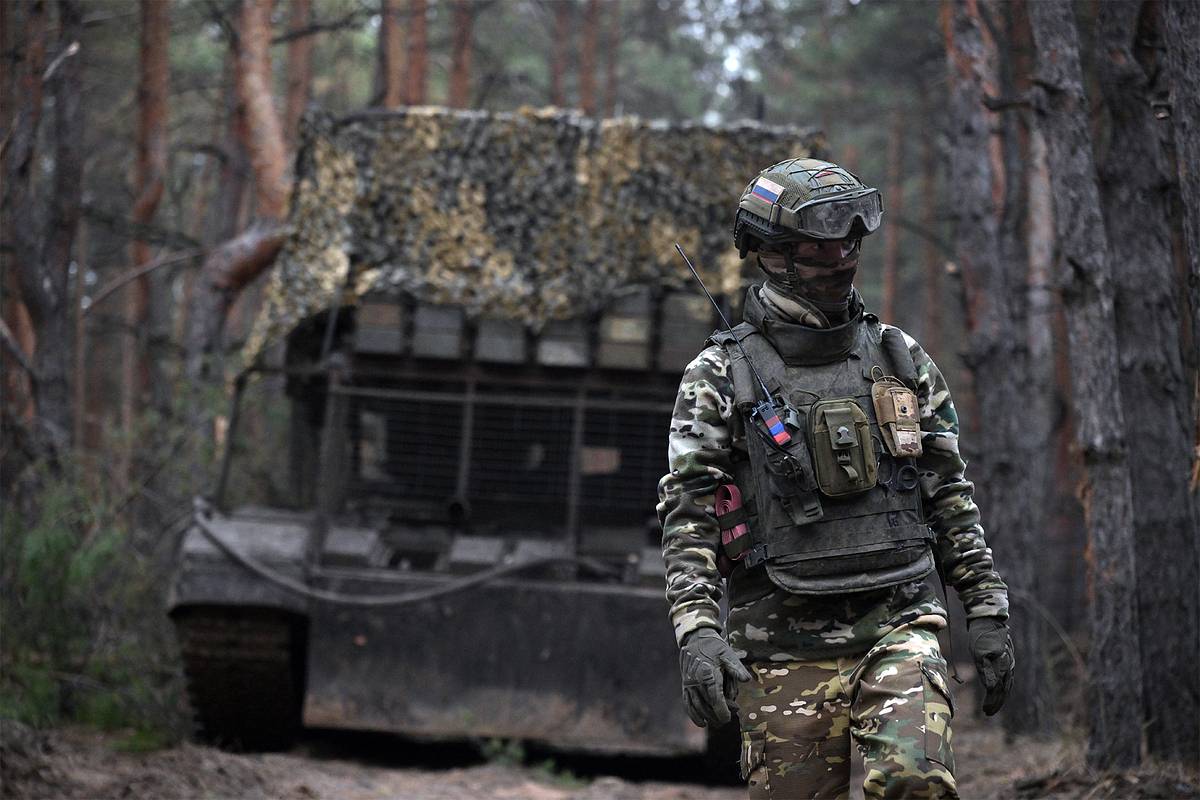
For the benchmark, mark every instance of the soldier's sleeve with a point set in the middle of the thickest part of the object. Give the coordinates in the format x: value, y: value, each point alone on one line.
x: 963, y: 554
x: 699, y: 456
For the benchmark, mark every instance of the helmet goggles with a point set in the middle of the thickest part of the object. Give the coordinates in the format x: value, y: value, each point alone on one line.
x: 836, y: 218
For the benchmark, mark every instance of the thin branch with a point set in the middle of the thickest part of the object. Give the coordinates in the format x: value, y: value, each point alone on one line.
x: 1003, y: 103
x: 141, y: 231
x: 14, y: 347
x: 71, y: 50
x: 924, y: 233
x: 134, y: 274
x: 350, y: 20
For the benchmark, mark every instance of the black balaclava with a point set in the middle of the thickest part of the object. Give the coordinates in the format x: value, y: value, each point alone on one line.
x: 825, y: 283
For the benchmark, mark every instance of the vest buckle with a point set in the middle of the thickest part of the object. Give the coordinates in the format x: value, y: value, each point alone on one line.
x: 756, y: 555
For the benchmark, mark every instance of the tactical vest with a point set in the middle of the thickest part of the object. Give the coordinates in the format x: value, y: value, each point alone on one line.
x: 832, y: 511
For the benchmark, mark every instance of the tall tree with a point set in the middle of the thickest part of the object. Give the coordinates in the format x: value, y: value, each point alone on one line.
x: 42, y: 197
x: 1181, y: 31
x: 895, y: 200
x: 1115, y: 689
x: 1135, y: 177
x: 460, y: 63
x: 299, y: 70
x: 611, y: 58
x: 149, y: 182
x: 986, y: 211
x: 232, y: 265
x: 418, y: 50
x: 933, y: 259
x: 391, y: 51
x: 587, y: 57
x: 1029, y: 709
x: 558, y: 59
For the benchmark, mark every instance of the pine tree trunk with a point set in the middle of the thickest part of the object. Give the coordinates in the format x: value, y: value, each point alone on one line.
x: 587, y: 58
x: 558, y: 61
x: 895, y: 208
x: 931, y: 330
x: 299, y: 72
x: 391, y: 53
x: 988, y: 212
x: 1115, y: 670
x: 611, y: 58
x: 42, y: 220
x: 1181, y: 31
x: 149, y: 182
x: 460, y: 65
x: 418, y: 51
x: 232, y: 265
x: 1028, y: 709
x: 1149, y: 314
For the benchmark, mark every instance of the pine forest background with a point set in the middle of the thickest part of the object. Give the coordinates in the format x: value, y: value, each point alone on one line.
x: 1038, y: 162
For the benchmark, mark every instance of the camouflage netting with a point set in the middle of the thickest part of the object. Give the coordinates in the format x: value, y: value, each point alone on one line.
x: 537, y: 215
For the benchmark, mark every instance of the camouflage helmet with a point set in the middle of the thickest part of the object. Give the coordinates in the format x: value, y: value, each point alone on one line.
x: 804, y: 198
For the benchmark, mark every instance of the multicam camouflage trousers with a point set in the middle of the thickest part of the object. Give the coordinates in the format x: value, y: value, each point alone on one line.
x: 798, y: 717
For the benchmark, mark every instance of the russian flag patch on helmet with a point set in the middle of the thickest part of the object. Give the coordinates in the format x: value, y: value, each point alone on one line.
x: 767, y: 189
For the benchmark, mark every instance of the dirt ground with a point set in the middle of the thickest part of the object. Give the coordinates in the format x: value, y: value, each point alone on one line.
x: 76, y: 763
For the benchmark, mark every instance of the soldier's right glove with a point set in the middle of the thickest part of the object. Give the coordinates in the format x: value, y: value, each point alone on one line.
x: 992, y: 649
x: 711, y: 672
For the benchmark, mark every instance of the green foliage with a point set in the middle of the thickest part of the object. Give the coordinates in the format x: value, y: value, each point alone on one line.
x: 512, y: 753
x: 85, y: 638
x: 507, y: 752
x: 551, y: 772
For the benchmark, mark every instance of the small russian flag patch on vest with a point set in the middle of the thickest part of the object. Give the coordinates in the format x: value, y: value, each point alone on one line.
x: 767, y: 190
x: 774, y: 426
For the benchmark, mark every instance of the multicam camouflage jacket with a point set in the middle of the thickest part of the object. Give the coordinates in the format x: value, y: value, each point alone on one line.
x: 774, y: 625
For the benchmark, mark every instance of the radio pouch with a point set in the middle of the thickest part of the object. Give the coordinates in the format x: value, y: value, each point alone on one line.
x: 840, y: 437
x: 896, y: 410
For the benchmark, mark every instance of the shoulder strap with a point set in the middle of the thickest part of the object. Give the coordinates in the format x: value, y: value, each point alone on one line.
x: 900, y: 357
x: 745, y: 392
x: 723, y: 337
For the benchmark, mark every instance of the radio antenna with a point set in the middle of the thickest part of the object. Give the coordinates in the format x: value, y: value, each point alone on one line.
x: 728, y: 327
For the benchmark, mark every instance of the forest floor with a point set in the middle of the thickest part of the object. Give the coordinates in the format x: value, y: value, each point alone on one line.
x: 74, y: 763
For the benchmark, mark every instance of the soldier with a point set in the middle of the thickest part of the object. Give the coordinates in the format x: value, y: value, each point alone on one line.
x: 814, y: 464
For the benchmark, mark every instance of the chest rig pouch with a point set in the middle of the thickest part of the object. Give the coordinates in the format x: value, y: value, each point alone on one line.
x: 837, y: 509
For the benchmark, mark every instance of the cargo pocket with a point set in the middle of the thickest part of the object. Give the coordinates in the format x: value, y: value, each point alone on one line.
x: 754, y: 764
x: 939, y: 710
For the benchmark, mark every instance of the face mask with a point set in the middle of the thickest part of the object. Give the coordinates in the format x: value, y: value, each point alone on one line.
x: 821, y: 272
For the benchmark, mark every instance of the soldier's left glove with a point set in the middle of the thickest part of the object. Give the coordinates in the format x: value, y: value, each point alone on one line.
x: 711, y: 671
x: 992, y: 649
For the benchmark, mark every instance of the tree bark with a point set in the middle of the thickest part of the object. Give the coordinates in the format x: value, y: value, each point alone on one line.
x: 391, y: 51
x: 1148, y: 314
x: 1181, y: 31
x: 1029, y: 707
x: 264, y: 142
x: 934, y: 260
x: 418, y: 51
x: 460, y: 65
x: 41, y: 234
x: 895, y: 207
x: 987, y: 213
x: 149, y: 183
x: 230, y: 266
x: 1115, y: 690
x: 611, y: 58
x: 587, y: 58
x: 299, y: 71
x: 558, y: 61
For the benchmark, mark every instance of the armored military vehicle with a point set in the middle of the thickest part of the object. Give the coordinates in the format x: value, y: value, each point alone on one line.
x: 476, y: 330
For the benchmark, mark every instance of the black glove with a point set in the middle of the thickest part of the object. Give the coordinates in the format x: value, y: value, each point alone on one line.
x: 711, y: 671
x: 992, y: 649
